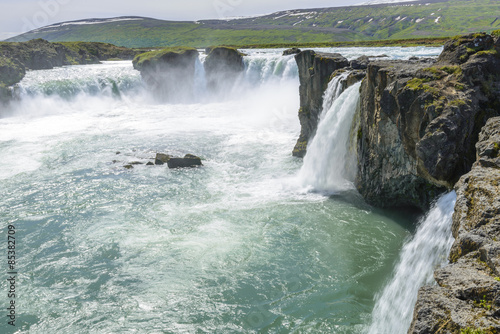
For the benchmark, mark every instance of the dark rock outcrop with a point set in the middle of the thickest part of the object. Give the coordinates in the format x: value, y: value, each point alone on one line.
x: 223, y: 66
x: 291, y: 51
x: 169, y: 73
x: 161, y: 158
x: 315, y: 70
x: 420, y: 123
x: 467, y: 296
x: 189, y: 160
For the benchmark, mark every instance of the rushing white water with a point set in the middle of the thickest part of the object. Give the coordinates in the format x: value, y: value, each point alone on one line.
x: 230, y: 247
x: 324, y: 168
x: 420, y: 256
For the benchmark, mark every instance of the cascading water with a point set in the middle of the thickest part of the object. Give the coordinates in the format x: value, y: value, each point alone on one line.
x: 419, y: 257
x: 261, y: 68
x: 108, y: 79
x: 219, y: 249
x: 324, y: 167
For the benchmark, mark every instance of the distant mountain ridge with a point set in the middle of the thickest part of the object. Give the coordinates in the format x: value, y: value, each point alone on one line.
x: 375, y: 21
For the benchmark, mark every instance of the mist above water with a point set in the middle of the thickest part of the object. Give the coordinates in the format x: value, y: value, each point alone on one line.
x: 233, y: 246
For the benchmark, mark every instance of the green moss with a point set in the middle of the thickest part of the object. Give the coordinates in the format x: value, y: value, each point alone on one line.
x: 360, y: 133
x: 417, y: 84
x: 484, y: 303
x: 145, y: 57
x: 459, y: 87
x: 492, y: 52
x: 452, y: 69
x: 496, y: 149
x: 495, y: 33
x: 437, y: 73
x: 470, y: 330
x: 457, y: 103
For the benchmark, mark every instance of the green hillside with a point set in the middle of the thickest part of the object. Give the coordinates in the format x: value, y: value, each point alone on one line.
x: 419, y: 19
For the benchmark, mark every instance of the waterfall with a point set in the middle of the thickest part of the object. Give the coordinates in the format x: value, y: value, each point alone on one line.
x: 200, y: 80
x: 262, y: 68
x: 324, y: 167
x: 419, y: 257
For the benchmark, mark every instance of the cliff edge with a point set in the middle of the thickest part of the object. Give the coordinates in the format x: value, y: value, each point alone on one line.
x: 467, y: 296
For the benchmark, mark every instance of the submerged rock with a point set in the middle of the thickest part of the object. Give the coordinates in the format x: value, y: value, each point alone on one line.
x: 467, y: 296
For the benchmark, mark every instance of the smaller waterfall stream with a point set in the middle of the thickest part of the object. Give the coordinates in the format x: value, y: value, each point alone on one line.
x: 419, y: 257
x: 323, y: 169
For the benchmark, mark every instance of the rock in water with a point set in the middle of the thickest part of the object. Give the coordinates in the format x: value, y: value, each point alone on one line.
x: 291, y: 51
x: 223, y: 66
x: 161, y: 158
x: 169, y: 73
x: 189, y: 160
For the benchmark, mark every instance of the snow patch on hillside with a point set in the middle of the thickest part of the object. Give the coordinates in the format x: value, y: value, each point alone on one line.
x: 91, y: 21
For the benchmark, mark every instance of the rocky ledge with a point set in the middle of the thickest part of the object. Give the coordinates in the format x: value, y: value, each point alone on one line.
x: 315, y: 70
x: 169, y: 73
x: 467, y: 296
x: 38, y: 54
x: 223, y: 66
x: 419, y: 120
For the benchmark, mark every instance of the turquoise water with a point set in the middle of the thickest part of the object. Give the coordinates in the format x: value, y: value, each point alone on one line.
x: 232, y: 247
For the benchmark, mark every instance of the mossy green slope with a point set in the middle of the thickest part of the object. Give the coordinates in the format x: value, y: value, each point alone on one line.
x: 419, y: 19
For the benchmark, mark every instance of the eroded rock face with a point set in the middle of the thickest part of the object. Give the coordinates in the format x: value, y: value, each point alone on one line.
x: 421, y: 120
x: 168, y: 73
x: 223, y: 66
x: 315, y: 70
x: 391, y: 118
x: 468, y: 292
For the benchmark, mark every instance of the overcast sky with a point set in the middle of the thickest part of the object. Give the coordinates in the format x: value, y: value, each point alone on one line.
x: 17, y: 16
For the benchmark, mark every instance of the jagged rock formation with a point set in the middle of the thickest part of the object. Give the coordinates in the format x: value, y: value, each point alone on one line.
x: 467, y: 296
x: 16, y: 58
x: 223, y: 66
x: 169, y: 73
x: 421, y: 121
x: 315, y: 70
x: 189, y: 160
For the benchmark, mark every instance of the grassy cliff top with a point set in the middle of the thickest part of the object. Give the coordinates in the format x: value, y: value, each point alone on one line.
x: 416, y: 20
x: 152, y: 56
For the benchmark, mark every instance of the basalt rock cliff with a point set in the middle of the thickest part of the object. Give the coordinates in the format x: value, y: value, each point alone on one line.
x: 419, y: 120
x: 315, y: 70
x: 467, y: 296
x: 424, y: 127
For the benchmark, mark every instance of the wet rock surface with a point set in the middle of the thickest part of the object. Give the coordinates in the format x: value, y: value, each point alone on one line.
x: 315, y: 70
x: 467, y: 296
x: 223, y: 66
x: 168, y: 73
